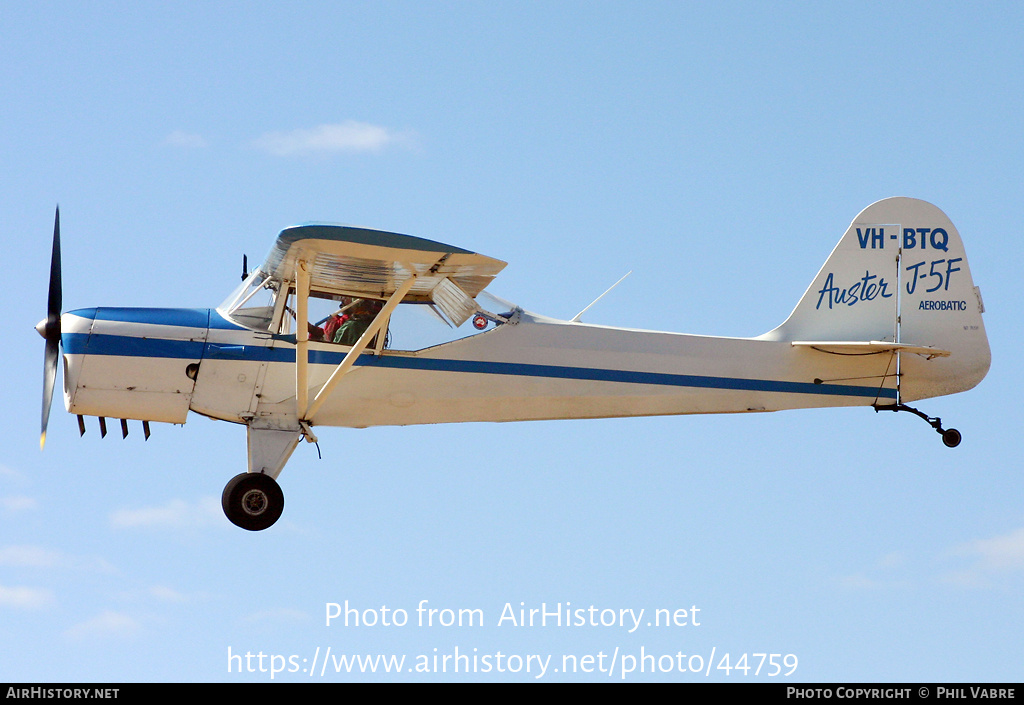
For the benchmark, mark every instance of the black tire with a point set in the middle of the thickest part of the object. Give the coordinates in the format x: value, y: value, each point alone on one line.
x: 951, y: 437
x: 252, y: 501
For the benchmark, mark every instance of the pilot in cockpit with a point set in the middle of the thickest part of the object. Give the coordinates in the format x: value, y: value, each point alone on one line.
x: 336, y: 319
x: 359, y: 317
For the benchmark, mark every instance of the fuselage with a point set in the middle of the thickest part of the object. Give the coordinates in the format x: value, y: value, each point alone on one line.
x: 158, y: 364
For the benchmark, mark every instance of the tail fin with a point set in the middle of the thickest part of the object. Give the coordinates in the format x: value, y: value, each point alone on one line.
x: 899, y: 275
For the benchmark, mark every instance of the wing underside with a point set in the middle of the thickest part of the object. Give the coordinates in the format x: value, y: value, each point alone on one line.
x: 344, y: 260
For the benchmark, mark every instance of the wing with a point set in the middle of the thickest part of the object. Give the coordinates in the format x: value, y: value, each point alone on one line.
x: 344, y: 260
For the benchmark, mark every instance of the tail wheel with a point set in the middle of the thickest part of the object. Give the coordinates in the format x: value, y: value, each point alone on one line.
x: 253, y: 501
x: 951, y: 437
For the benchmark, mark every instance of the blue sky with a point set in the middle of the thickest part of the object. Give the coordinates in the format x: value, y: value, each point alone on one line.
x: 716, y: 150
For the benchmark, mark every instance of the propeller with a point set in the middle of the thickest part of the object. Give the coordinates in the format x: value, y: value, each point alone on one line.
x: 49, y: 328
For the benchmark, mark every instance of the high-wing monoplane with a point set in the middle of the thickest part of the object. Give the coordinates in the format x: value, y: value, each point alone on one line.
x: 312, y: 338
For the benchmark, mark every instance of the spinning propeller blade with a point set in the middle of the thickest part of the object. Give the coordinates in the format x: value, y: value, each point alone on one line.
x: 49, y: 328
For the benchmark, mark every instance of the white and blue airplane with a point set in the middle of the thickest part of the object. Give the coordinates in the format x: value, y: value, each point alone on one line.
x: 892, y: 317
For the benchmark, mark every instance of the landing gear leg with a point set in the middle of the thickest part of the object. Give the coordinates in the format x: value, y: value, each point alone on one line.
x: 950, y: 436
x: 253, y: 501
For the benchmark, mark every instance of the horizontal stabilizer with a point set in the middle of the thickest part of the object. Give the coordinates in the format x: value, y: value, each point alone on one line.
x: 868, y: 347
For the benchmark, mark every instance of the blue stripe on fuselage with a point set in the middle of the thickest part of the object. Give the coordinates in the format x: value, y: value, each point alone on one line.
x: 597, y: 374
x: 155, y: 347
x: 131, y: 346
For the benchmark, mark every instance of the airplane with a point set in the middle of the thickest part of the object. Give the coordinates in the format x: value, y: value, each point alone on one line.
x: 892, y: 317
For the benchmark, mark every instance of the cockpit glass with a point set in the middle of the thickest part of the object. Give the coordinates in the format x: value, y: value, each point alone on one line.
x: 252, y: 303
x: 412, y: 325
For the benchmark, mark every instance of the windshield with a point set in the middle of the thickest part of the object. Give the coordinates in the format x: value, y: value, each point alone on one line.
x: 252, y: 303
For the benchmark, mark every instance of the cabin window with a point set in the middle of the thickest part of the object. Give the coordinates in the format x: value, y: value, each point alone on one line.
x: 412, y: 325
x: 340, y: 319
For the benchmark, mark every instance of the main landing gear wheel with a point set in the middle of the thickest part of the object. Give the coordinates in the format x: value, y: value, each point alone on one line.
x: 253, y: 501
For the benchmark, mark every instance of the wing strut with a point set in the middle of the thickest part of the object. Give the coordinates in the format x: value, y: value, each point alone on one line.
x: 346, y: 364
x: 301, y: 338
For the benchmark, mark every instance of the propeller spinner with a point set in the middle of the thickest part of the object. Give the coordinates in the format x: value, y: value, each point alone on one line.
x: 49, y: 328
